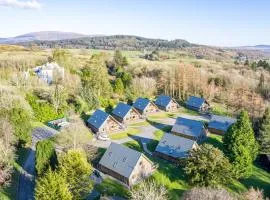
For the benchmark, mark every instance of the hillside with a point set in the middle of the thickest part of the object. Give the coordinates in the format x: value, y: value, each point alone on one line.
x: 42, y: 35
x: 125, y: 42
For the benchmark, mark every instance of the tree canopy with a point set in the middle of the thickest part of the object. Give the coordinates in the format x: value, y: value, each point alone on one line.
x: 240, y: 146
x: 73, y: 166
x: 52, y: 186
x: 264, y: 133
x: 207, y: 166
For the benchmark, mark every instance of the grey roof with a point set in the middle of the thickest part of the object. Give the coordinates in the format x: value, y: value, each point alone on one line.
x: 120, y: 159
x: 221, y: 123
x: 98, y: 118
x: 163, y: 100
x: 141, y: 103
x: 174, y: 146
x: 195, y: 102
x: 188, y: 127
x: 121, y: 110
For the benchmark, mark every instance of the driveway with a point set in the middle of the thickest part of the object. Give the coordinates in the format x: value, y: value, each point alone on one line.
x: 146, y: 131
x: 26, y: 184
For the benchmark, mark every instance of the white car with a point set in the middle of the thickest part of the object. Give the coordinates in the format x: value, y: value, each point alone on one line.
x: 103, y: 137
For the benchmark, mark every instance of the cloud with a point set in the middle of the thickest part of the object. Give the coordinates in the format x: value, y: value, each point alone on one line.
x: 28, y: 4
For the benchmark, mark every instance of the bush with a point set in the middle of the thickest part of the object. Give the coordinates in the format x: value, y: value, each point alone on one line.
x: 45, y: 157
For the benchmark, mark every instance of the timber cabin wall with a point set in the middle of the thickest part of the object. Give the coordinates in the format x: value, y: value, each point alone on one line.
x: 172, y: 106
x: 132, y: 116
x: 143, y: 169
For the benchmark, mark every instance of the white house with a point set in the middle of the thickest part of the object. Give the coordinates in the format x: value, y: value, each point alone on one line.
x: 49, y: 72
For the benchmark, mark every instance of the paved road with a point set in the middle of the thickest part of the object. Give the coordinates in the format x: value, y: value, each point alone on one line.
x: 27, y: 176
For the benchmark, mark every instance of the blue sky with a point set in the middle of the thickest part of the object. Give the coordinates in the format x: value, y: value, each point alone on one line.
x: 210, y: 22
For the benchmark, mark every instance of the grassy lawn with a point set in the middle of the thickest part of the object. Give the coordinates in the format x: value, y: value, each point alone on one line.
x: 172, y: 177
x: 138, y: 124
x: 10, y: 192
x: 110, y: 187
x: 259, y: 179
x: 124, y: 134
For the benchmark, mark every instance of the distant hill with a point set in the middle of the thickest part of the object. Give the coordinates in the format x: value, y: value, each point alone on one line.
x: 43, y: 35
x: 261, y: 47
x: 125, y: 42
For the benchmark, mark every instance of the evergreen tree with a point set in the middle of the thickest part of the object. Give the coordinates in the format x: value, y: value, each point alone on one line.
x: 207, y: 166
x: 264, y: 133
x: 73, y: 166
x: 240, y: 146
x: 52, y: 186
x: 119, y: 86
x: 45, y: 156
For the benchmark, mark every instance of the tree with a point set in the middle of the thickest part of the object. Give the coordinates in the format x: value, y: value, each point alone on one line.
x: 95, y: 77
x: 240, y: 146
x: 206, y: 193
x: 21, y: 122
x: 52, y: 186
x: 119, y: 86
x: 73, y: 166
x: 119, y: 60
x: 207, y: 166
x: 7, y: 151
x: 75, y: 135
x: 149, y: 191
x: 45, y: 157
x: 264, y: 133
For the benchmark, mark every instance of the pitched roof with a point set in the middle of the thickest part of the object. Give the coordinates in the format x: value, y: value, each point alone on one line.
x: 195, y: 102
x: 221, y: 123
x: 163, y: 100
x: 120, y: 159
x: 188, y: 127
x: 98, y: 118
x: 121, y: 110
x: 141, y: 103
x: 174, y: 146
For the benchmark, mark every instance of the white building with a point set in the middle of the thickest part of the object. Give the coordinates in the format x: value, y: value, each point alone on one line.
x: 49, y: 72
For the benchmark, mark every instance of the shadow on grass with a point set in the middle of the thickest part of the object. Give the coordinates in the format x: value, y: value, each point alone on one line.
x: 157, y: 125
x: 215, y: 142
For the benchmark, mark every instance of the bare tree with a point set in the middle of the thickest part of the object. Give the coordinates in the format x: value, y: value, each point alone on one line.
x: 149, y: 191
x: 7, y: 151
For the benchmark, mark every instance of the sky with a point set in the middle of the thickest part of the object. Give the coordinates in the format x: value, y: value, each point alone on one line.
x: 208, y: 22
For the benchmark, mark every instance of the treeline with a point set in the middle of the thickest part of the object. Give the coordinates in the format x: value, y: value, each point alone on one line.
x: 112, y: 42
